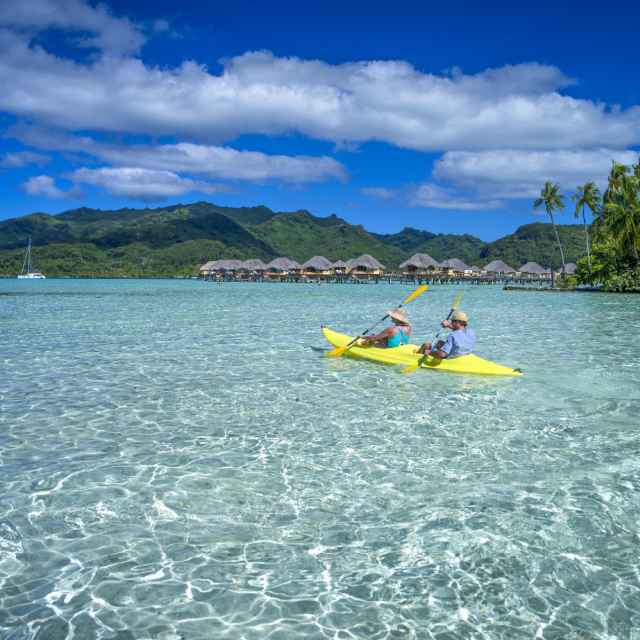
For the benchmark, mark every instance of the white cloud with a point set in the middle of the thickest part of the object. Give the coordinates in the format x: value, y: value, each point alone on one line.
x: 433, y: 196
x: 143, y: 184
x: 45, y: 186
x: 17, y: 159
x: 207, y: 161
x: 379, y: 192
x: 510, y: 173
x: 108, y: 32
x: 223, y: 163
x: 514, y: 106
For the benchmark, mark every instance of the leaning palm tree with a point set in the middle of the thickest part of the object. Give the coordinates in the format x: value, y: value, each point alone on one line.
x: 552, y: 201
x: 587, y: 196
x: 623, y: 216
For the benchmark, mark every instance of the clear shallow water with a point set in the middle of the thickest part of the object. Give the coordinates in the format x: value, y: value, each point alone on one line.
x: 180, y: 461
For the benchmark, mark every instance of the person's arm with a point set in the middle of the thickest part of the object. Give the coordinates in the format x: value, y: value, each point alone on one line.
x: 379, y: 336
x: 444, y: 348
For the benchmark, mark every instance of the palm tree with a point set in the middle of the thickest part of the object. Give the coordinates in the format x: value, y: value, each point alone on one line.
x: 618, y: 171
x: 622, y: 220
x: 552, y: 201
x: 587, y: 196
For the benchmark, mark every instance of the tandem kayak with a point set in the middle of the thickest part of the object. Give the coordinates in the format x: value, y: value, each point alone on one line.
x: 404, y: 355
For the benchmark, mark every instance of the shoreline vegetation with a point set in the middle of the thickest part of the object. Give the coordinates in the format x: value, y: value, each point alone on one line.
x: 177, y: 240
x: 612, y: 241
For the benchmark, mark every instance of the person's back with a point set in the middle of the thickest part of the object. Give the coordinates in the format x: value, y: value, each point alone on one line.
x: 400, y: 338
x: 459, y: 343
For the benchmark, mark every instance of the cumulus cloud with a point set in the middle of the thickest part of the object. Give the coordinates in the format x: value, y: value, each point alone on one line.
x: 45, y: 186
x: 521, y: 174
x: 108, y: 32
x: 433, y: 196
x: 17, y: 159
x: 143, y: 184
x: 514, y: 106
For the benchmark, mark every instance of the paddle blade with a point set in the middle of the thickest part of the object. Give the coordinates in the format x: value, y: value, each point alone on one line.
x: 416, y: 293
x: 336, y: 352
x: 411, y: 369
x: 458, y: 300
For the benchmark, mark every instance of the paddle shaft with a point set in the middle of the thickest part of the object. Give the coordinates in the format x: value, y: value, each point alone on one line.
x: 435, y: 340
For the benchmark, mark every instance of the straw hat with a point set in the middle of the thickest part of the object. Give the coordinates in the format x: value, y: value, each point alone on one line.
x: 399, y: 314
x: 460, y: 316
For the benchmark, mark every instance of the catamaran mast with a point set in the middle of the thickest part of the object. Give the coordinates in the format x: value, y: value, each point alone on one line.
x: 27, y: 259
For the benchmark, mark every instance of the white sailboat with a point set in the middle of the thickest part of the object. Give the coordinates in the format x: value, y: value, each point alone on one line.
x: 27, y: 263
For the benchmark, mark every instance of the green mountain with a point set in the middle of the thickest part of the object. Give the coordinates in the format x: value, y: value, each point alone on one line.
x: 84, y: 222
x: 439, y: 246
x: 537, y: 242
x: 300, y: 236
x: 179, y: 239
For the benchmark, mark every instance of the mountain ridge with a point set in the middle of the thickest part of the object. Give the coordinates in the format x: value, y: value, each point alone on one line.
x: 178, y: 239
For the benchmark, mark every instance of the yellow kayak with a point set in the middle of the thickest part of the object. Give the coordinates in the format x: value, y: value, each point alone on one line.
x: 404, y: 355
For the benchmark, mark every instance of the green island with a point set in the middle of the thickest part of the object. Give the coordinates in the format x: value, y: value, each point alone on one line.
x: 178, y: 239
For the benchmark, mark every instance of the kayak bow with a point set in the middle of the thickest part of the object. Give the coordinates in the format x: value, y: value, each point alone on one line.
x: 470, y: 364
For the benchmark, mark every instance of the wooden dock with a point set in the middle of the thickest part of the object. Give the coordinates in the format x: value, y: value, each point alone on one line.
x: 388, y: 278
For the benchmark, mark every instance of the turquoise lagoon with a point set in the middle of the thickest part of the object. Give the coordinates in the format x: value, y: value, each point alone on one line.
x: 179, y: 460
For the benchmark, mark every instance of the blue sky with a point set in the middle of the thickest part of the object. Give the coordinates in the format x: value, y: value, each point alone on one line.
x: 447, y: 117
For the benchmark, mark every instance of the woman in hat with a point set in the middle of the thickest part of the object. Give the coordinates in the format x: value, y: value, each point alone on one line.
x: 393, y: 336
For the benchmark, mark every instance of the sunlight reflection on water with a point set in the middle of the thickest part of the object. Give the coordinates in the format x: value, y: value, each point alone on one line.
x: 179, y: 459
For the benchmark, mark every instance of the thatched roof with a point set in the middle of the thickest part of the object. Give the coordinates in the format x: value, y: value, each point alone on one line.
x: 421, y: 260
x: 253, y: 264
x: 229, y: 265
x: 208, y: 266
x: 532, y: 267
x: 318, y: 262
x: 476, y: 269
x: 455, y: 264
x: 497, y: 266
x: 294, y: 265
x: 283, y: 264
x: 350, y: 263
x: 570, y: 268
x: 340, y: 264
x: 367, y: 261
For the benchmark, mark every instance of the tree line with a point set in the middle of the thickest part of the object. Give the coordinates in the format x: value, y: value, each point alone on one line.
x: 613, y: 256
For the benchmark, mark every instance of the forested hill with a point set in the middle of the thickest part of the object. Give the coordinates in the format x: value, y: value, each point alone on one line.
x: 179, y: 239
x: 46, y: 229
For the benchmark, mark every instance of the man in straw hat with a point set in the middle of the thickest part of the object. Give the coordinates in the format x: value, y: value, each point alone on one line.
x: 393, y: 336
x: 460, y: 340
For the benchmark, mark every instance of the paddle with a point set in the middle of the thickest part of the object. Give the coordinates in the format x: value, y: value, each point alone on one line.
x: 435, y: 340
x: 340, y: 350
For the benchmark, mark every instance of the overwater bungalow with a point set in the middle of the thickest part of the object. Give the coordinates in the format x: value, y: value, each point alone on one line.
x: 421, y: 264
x: 498, y: 267
x: 476, y: 271
x: 531, y: 269
x: 367, y: 265
x: 254, y: 265
x: 454, y: 267
x: 318, y: 265
x: 280, y: 267
x: 208, y: 268
x: 340, y: 267
x: 226, y: 268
